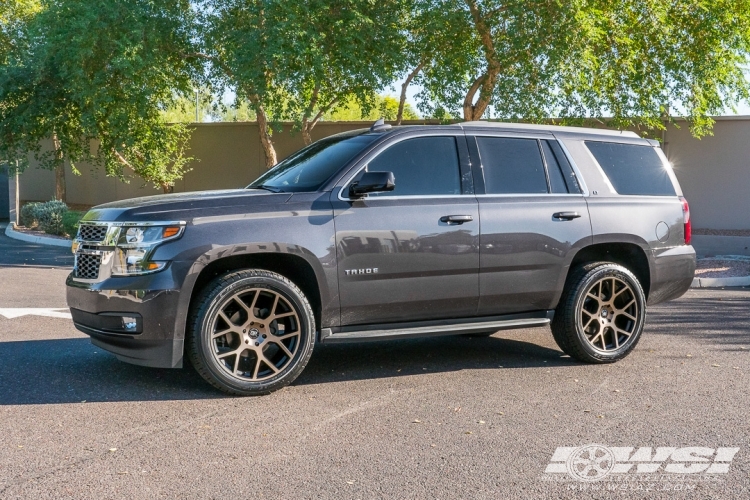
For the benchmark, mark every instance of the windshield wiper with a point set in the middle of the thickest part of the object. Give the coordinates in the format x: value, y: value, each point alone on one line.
x: 273, y: 189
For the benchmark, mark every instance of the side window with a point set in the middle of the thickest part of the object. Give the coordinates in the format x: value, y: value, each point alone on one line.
x: 512, y: 166
x: 562, y: 179
x: 632, y: 169
x: 421, y: 166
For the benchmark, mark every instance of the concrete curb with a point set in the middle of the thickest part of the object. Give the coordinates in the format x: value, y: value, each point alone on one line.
x: 720, y: 282
x: 39, y: 240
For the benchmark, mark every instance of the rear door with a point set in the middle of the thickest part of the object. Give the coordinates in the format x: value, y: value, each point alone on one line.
x: 400, y: 256
x: 533, y: 220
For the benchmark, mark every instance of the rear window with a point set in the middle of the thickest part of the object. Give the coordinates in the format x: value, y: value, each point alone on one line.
x: 632, y: 169
x: 512, y: 166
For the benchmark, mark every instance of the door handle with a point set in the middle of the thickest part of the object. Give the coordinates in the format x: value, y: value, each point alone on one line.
x: 456, y: 219
x: 566, y: 215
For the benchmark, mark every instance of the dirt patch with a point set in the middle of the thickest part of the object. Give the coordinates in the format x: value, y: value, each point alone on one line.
x: 722, y: 268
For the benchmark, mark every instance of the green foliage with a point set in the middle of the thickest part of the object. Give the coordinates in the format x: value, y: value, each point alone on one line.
x: 27, y: 215
x: 96, y: 75
x: 48, y: 216
x: 382, y: 107
x: 632, y: 60
x: 70, y: 222
x: 299, y: 60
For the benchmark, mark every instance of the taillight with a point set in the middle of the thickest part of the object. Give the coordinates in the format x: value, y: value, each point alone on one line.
x: 686, y: 220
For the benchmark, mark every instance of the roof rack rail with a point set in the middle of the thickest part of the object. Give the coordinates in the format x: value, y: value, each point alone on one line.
x: 380, y: 126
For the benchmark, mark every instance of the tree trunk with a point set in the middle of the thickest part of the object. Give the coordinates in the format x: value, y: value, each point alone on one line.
x: 60, y: 188
x: 265, y: 134
x: 306, y: 135
x: 485, y: 84
x: 404, y: 86
x: 167, y: 188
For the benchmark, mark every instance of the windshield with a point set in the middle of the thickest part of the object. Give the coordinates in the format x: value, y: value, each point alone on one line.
x: 309, y: 168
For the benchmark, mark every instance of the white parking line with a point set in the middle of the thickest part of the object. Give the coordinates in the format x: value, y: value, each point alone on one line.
x: 17, y: 312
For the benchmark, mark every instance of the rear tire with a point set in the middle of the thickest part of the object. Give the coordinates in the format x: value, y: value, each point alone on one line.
x: 251, y: 332
x: 601, y: 313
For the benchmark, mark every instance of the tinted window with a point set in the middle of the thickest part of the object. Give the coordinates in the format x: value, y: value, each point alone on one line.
x: 421, y: 166
x: 632, y: 169
x: 561, y: 176
x: 512, y: 166
x: 556, y: 179
x: 309, y: 168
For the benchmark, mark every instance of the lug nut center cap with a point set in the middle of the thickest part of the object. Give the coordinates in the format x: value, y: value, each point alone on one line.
x: 254, y: 333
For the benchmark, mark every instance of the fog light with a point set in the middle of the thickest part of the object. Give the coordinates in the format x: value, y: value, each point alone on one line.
x: 129, y: 324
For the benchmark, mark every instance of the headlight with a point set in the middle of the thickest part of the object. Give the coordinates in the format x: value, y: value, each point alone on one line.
x: 135, y: 246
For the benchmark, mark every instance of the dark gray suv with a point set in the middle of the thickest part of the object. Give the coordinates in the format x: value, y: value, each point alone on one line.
x: 390, y: 233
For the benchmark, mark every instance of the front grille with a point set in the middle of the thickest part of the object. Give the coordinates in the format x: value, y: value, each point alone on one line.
x: 87, y: 266
x: 89, y: 232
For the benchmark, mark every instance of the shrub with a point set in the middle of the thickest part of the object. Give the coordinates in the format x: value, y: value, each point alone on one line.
x: 48, y: 216
x: 27, y: 216
x: 71, y: 218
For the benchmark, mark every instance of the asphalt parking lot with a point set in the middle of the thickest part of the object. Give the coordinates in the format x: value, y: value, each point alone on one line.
x: 448, y: 417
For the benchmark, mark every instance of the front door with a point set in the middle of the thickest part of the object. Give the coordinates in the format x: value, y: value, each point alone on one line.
x: 410, y: 254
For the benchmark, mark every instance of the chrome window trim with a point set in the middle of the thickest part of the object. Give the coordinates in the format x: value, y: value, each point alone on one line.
x: 377, y: 150
x: 528, y: 195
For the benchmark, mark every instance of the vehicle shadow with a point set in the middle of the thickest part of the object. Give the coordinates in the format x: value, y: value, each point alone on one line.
x: 371, y: 360
x: 72, y: 370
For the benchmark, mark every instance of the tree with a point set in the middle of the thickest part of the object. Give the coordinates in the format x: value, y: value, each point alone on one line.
x: 95, y: 77
x: 344, y: 50
x: 386, y: 107
x: 299, y: 60
x: 631, y: 59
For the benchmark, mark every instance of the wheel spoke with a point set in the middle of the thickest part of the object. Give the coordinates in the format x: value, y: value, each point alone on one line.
x: 268, y: 363
x: 284, y: 348
x: 236, y: 363
x: 226, y: 354
x: 274, y: 306
x: 285, y: 336
x: 226, y: 319
x: 257, y: 367
x: 219, y: 334
x: 283, y: 315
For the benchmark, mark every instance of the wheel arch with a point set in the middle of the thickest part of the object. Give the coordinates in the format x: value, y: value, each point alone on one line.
x: 627, y: 254
x: 293, y: 266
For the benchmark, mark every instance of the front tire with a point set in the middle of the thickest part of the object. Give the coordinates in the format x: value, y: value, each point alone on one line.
x: 601, y: 314
x: 251, y: 332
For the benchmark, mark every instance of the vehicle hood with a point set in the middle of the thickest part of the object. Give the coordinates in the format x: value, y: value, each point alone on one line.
x: 186, y: 206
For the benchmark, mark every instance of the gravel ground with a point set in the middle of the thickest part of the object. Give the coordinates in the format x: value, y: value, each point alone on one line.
x: 721, y: 232
x: 723, y: 267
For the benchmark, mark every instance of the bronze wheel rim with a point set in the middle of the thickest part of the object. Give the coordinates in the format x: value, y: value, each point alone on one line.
x: 255, y: 334
x: 609, y: 314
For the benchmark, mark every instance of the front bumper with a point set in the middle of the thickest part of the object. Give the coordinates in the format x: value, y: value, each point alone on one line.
x: 153, y: 303
x: 672, y: 273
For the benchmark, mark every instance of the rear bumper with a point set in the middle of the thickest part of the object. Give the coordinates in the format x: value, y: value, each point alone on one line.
x: 151, y: 308
x: 672, y: 273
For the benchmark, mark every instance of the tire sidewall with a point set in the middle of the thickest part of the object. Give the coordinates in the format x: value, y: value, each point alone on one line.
x: 619, y: 272
x: 204, y: 342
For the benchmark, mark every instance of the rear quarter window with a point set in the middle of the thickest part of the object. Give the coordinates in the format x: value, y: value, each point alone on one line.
x: 632, y: 169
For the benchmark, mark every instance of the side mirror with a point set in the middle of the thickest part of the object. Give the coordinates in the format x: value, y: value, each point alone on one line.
x: 372, y: 182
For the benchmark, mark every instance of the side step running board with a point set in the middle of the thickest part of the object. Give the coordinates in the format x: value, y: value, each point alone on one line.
x: 327, y: 335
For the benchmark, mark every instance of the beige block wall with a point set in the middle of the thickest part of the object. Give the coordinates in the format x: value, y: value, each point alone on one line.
x: 714, y: 172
